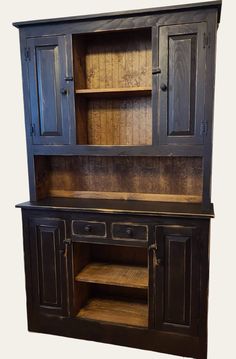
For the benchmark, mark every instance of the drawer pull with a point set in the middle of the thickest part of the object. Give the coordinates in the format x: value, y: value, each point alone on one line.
x: 129, y: 232
x: 87, y: 228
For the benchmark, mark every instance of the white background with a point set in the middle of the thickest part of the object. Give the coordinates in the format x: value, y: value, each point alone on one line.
x: 15, y: 340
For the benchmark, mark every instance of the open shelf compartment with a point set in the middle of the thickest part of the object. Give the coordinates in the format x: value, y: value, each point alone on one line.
x: 111, y: 284
x: 113, y: 86
x: 164, y: 179
x: 115, y: 311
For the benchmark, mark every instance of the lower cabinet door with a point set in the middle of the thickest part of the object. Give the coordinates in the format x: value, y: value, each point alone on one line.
x: 48, y: 265
x: 176, y: 278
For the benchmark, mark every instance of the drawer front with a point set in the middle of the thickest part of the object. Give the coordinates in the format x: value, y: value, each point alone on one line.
x: 89, y: 228
x: 129, y: 231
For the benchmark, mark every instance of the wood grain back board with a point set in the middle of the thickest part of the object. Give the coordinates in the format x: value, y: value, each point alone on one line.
x: 178, y: 176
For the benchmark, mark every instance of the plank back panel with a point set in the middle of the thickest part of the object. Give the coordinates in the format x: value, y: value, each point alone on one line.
x: 119, y: 121
x: 179, y: 176
x: 113, y: 60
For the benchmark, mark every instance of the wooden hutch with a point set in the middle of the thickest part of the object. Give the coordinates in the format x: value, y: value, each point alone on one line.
x: 119, y: 115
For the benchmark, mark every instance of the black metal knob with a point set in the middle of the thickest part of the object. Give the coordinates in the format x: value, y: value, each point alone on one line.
x: 87, y: 228
x: 63, y: 91
x: 129, y: 232
x: 163, y: 87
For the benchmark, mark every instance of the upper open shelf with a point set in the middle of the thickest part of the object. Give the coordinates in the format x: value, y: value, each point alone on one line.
x: 106, y: 92
x: 113, y: 87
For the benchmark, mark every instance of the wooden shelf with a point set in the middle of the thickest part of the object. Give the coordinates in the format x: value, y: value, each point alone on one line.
x: 104, y: 92
x: 126, y: 196
x: 114, y: 274
x: 115, y: 311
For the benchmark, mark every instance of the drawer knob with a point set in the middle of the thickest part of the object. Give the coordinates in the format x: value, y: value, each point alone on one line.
x: 129, y: 232
x: 87, y: 228
x: 163, y: 87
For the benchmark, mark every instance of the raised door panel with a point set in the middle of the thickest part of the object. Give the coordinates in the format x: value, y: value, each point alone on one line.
x: 177, y: 279
x: 48, y: 265
x: 48, y: 92
x: 182, y: 59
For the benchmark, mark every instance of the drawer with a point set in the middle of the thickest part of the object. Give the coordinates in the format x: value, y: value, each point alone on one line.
x: 89, y: 228
x: 129, y: 231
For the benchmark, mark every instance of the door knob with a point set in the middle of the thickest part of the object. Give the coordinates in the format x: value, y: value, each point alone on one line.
x: 163, y: 87
x: 64, y: 91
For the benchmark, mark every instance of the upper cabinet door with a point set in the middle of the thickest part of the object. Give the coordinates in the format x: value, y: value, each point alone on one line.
x: 48, y: 94
x: 182, y: 60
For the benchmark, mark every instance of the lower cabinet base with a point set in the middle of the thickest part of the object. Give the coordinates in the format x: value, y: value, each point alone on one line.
x: 147, y: 290
x: 147, y: 339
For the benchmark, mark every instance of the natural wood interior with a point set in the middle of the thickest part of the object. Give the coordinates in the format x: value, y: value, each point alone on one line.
x: 86, y: 253
x: 114, y: 274
x: 115, y: 311
x: 111, y: 283
x: 107, y: 65
x: 107, y: 92
x: 172, y: 179
x: 115, y: 121
x: 113, y: 59
x: 111, y: 270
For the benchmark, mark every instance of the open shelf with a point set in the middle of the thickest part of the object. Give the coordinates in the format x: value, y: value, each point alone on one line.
x: 163, y: 179
x: 115, y: 311
x: 126, y: 196
x: 113, y: 82
x: 114, y: 120
x: 114, y: 274
x: 104, y: 92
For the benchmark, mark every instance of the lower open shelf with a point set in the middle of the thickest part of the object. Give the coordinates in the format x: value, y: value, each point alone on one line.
x: 114, y: 274
x: 115, y: 311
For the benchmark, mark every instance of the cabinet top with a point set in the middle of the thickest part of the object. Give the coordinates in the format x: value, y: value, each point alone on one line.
x: 151, y: 11
x: 122, y: 207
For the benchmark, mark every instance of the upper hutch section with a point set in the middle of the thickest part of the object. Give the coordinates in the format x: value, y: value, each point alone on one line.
x: 121, y: 83
x: 137, y: 87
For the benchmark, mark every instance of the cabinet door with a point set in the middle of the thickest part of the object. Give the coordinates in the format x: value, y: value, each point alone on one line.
x: 176, y: 279
x: 48, y: 94
x: 48, y: 266
x: 182, y: 60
